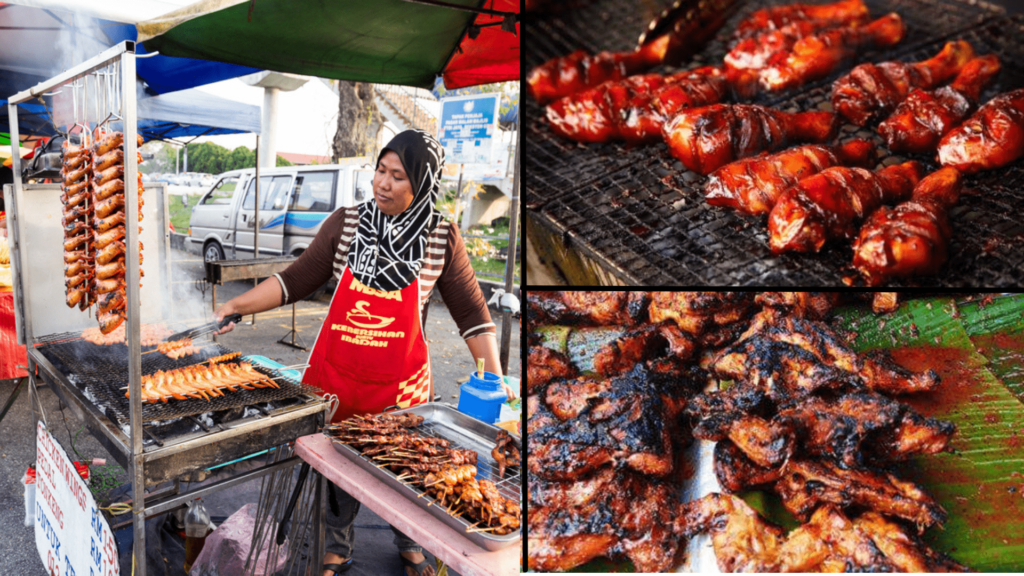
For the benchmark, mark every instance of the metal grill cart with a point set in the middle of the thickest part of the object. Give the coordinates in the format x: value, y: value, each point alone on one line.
x: 158, y: 443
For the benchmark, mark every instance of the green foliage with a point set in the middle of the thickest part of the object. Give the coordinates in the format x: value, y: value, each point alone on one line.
x: 181, y: 213
x: 239, y: 158
x: 283, y: 162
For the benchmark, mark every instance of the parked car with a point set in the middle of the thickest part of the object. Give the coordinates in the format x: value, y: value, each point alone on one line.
x: 294, y: 202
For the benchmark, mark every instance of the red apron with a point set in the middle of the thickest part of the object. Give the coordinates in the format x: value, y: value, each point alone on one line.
x: 371, y: 351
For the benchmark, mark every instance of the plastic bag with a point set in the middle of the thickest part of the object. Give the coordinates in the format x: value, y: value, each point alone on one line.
x: 29, y: 480
x: 227, y: 547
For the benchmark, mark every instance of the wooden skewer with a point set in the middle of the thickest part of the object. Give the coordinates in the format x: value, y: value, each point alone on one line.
x: 491, y: 529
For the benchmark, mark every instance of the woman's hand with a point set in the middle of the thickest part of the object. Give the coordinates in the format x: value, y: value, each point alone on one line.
x: 508, y: 390
x: 225, y: 310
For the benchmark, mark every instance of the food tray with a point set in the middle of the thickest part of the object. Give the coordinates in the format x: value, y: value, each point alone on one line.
x: 464, y: 432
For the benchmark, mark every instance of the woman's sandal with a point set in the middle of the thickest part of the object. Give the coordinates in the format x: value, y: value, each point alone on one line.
x: 418, y: 567
x: 339, y: 568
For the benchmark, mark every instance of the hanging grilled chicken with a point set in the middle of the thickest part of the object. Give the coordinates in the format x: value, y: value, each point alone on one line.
x: 912, y: 238
x: 872, y: 91
x: 707, y: 138
x: 818, y: 55
x: 830, y: 204
x: 921, y: 120
x: 635, y: 108
x: 753, y: 185
x: 992, y: 138
x: 674, y: 35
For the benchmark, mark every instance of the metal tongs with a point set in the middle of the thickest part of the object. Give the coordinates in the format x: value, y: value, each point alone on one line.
x: 204, y: 329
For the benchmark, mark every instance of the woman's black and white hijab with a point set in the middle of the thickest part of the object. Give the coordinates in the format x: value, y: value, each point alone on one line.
x: 387, y: 250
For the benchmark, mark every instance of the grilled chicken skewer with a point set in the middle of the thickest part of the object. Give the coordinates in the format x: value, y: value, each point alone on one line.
x: 992, y: 138
x: 635, y: 108
x: 831, y: 203
x: 668, y: 39
x: 815, y: 57
x: 912, y: 238
x: 921, y: 120
x: 753, y: 185
x: 872, y: 91
x: 707, y: 138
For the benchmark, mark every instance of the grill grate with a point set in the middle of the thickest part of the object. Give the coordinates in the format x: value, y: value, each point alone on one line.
x: 640, y: 214
x: 100, y: 371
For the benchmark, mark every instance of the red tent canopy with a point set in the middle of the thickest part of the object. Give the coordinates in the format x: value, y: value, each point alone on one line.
x: 492, y: 57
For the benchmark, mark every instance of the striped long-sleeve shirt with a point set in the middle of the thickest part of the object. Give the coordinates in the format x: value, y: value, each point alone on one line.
x: 446, y: 266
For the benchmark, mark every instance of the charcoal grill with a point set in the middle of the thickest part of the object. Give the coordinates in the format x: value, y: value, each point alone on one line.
x: 607, y: 214
x: 158, y: 443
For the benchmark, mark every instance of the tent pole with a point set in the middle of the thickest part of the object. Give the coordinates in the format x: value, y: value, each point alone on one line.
x: 510, y: 263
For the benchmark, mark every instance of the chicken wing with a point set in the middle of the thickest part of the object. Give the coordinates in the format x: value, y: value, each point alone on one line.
x: 912, y: 238
x: 818, y: 55
x: 872, y: 91
x: 921, y: 120
x: 712, y: 318
x: 830, y: 204
x: 810, y: 305
x: 634, y: 109
x: 707, y: 138
x: 586, y: 308
x: 753, y: 185
x: 992, y: 138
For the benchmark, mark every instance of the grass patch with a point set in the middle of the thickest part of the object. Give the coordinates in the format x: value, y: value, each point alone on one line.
x: 181, y: 213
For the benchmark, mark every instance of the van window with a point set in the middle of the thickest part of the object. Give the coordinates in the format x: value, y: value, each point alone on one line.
x: 273, y: 193
x: 314, y: 192
x: 364, y: 185
x: 222, y: 192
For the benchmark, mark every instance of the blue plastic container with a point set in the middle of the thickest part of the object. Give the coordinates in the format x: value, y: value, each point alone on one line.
x: 482, y: 399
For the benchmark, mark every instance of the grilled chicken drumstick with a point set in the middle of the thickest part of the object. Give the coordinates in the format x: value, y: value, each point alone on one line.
x: 753, y: 185
x: 992, y: 138
x: 872, y: 91
x: 775, y: 17
x: 707, y: 138
x: 912, y: 238
x: 815, y: 57
x: 927, y: 115
x: 831, y: 203
x: 634, y: 108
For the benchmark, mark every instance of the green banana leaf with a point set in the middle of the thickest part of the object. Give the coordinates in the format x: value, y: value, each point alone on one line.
x: 978, y: 350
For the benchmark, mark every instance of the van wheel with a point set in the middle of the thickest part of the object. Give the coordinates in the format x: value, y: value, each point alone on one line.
x: 213, y: 251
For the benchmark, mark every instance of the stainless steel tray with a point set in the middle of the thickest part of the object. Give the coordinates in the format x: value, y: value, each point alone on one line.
x: 464, y: 432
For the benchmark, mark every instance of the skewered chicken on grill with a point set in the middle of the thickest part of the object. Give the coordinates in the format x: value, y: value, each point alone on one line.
x: 921, y: 120
x: 201, y: 381
x: 634, y: 109
x: 611, y: 514
x: 149, y: 334
x: 912, y: 238
x: 753, y: 185
x: 707, y: 138
x: 872, y: 91
x: 177, y: 348
x: 830, y: 204
x: 815, y: 57
x: 992, y: 138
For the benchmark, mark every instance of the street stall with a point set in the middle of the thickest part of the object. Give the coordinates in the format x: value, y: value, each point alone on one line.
x: 204, y: 405
x: 387, y: 468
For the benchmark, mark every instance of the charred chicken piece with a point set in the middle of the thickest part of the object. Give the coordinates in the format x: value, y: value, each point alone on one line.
x: 806, y: 485
x: 809, y: 305
x: 586, y: 308
x: 912, y: 238
x: 775, y: 17
x: 712, y: 318
x: 885, y: 302
x: 753, y: 185
x: 992, y: 138
x: 767, y: 444
x: 634, y: 109
x: 872, y: 91
x: 830, y: 204
x: 611, y: 514
x: 736, y: 472
x: 744, y: 542
x: 707, y: 138
x: 921, y: 120
x: 815, y: 57
x: 905, y: 551
x: 544, y: 365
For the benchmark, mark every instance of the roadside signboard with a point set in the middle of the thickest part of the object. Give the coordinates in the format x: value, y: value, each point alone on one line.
x: 468, y: 127
x: 72, y: 536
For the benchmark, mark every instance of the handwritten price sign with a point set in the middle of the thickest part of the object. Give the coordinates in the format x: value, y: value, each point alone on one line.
x: 72, y: 536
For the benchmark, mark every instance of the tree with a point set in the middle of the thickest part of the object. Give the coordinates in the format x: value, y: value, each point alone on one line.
x: 239, y: 158
x: 359, y: 120
x: 207, y: 157
x: 282, y: 162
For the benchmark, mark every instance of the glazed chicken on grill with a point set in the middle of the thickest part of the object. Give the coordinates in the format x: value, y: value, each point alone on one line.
x: 776, y: 17
x: 992, y: 138
x: 872, y: 91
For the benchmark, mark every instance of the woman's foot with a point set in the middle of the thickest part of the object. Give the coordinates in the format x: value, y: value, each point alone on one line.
x: 415, y: 564
x: 337, y: 561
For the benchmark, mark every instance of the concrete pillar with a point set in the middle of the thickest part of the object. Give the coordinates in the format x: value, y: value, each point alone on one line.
x: 268, y: 139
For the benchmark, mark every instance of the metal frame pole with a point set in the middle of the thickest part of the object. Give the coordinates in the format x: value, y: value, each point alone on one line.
x: 510, y: 264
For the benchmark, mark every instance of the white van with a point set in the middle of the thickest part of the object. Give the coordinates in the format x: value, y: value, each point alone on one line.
x: 294, y: 202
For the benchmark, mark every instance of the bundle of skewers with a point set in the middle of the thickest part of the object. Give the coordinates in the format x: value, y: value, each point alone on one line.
x: 446, y: 473
x: 204, y: 380
x: 177, y: 348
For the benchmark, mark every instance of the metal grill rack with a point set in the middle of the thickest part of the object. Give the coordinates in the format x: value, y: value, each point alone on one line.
x: 610, y: 214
